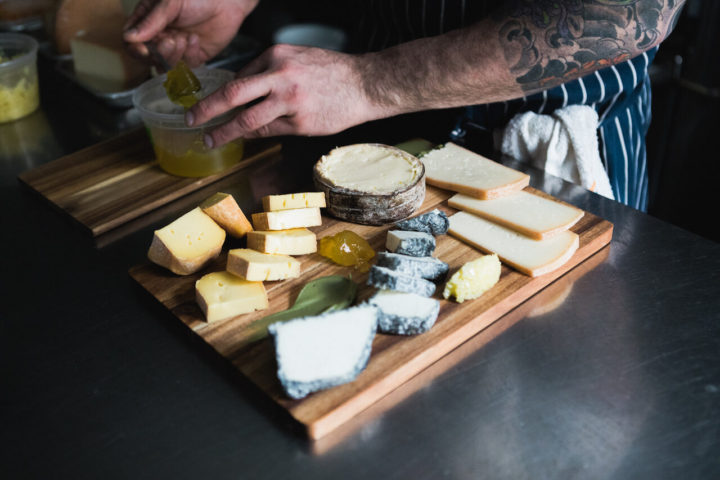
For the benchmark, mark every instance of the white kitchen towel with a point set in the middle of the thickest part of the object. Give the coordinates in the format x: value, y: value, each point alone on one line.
x: 564, y: 144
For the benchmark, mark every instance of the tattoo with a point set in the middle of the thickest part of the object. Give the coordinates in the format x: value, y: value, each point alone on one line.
x: 548, y: 42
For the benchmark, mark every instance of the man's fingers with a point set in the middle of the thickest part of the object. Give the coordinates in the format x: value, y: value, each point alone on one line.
x: 254, y: 119
x: 233, y: 94
x: 158, y: 16
x: 276, y: 128
x: 258, y: 65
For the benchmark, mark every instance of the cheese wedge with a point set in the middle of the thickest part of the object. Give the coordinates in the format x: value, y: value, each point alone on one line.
x: 286, y: 219
x: 272, y: 203
x: 296, y: 241
x: 255, y: 266
x: 531, y: 257
x: 460, y: 170
x: 223, y: 208
x: 532, y: 215
x: 222, y: 295
x: 187, y: 244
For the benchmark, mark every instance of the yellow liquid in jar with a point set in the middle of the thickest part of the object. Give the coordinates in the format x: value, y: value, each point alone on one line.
x: 199, y: 161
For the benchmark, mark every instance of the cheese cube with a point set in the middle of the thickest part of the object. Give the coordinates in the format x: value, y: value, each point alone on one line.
x: 289, y: 201
x: 253, y: 265
x: 222, y: 295
x: 296, y: 241
x: 187, y: 244
x: 286, y: 219
x: 223, y: 208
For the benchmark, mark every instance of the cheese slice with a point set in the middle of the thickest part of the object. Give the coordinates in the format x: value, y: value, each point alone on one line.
x: 223, y: 208
x: 286, y: 219
x: 222, y: 295
x: 532, y: 215
x: 460, y: 170
x: 289, y: 201
x: 531, y: 257
x: 253, y: 265
x: 188, y: 243
x: 296, y: 241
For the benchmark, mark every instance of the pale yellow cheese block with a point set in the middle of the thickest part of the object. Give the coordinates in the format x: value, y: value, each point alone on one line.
x: 531, y: 257
x: 187, y: 244
x: 223, y: 208
x: 460, y: 170
x: 256, y: 266
x: 222, y: 295
x: 286, y: 219
x: 296, y: 241
x: 272, y: 203
x: 532, y: 215
x: 103, y: 63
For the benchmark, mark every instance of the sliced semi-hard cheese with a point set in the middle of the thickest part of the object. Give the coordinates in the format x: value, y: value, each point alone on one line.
x: 272, y: 203
x: 223, y: 208
x: 253, y: 265
x: 188, y: 243
x: 296, y: 241
x: 532, y: 215
x: 286, y: 219
x: 532, y: 257
x: 222, y: 295
x: 460, y: 170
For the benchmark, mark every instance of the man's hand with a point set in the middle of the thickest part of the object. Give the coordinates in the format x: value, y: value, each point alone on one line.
x: 195, y: 30
x: 295, y: 90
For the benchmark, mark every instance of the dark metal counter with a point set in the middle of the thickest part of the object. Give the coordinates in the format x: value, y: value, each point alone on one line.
x: 612, y: 372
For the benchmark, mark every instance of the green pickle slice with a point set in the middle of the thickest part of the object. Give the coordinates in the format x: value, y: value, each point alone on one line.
x: 182, y: 85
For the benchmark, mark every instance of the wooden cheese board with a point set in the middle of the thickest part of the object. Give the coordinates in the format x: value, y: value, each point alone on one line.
x: 116, y: 181
x: 394, y: 359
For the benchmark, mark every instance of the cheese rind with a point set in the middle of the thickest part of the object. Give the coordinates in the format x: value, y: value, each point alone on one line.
x: 417, y: 244
x: 402, y: 313
x: 256, y: 266
x: 532, y: 215
x: 286, y: 219
x: 386, y: 279
x: 296, y: 241
x: 460, y: 170
x: 223, y: 208
x: 434, y: 222
x: 532, y: 257
x: 429, y: 268
x: 272, y: 203
x: 187, y: 244
x: 222, y: 295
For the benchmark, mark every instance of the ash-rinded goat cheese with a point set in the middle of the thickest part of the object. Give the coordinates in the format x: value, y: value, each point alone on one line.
x: 434, y: 222
x: 319, y: 352
x: 384, y: 278
x: 404, y: 313
x: 426, y: 267
x: 417, y: 244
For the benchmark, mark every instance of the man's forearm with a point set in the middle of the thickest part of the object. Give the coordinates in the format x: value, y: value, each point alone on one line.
x: 525, y: 47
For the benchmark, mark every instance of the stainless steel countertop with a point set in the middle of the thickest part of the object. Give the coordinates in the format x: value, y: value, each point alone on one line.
x: 611, y: 372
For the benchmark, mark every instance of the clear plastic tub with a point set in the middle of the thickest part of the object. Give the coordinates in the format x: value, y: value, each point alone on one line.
x: 180, y: 149
x: 19, y: 95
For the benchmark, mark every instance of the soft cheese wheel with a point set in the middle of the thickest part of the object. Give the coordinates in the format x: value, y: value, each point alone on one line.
x: 222, y: 295
x: 532, y: 215
x: 460, y: 170
x: 187, y: 244
x: 370, y: 183
x: 532, y: 257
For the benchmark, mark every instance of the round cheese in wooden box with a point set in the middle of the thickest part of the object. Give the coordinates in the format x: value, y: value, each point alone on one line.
x: 370, y: 183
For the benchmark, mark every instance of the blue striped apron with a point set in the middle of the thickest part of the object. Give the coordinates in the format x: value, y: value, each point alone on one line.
x: 620, y: 94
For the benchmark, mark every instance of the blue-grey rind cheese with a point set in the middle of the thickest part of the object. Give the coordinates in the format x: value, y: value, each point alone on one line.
x: 429, y: 268
x: 402, y: 313
x: 384, y: 278
x: 417, y: 244
x: 434, y: 222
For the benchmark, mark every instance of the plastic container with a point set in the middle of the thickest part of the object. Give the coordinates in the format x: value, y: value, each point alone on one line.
x: 19, y: 95
x: 180, y: 149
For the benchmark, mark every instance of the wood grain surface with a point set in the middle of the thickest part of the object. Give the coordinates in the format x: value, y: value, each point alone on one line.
x: 394, y: 359
x: 111, y: 183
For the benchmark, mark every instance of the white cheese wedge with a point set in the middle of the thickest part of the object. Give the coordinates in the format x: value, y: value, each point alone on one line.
x: 188, y: 243
x: 460, y: 170
x: 289, y: 201
x: 286, y: 219
x: 255, y: 266
x: 532, y: 257
x: 532, y: 215
x: 222, y: 295
x: 296, y: 241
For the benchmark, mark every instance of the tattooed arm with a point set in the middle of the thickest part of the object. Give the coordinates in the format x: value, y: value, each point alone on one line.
x: 525, y: 47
